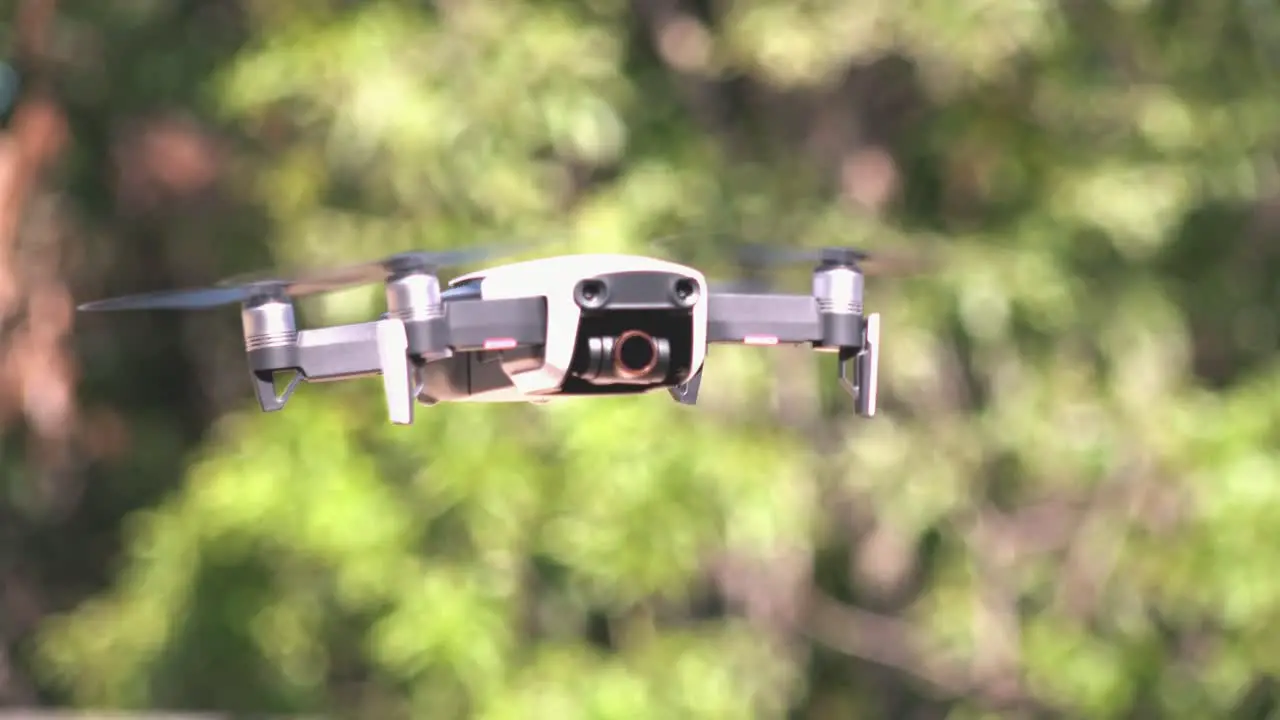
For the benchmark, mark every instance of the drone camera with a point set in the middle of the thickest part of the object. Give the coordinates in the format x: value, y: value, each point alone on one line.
x: 633, y: 358
x: 636, y: 354
x: 636, y: 331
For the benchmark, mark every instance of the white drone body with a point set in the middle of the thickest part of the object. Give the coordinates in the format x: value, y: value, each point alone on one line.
x: 569, y: 326
x: 554, y: 279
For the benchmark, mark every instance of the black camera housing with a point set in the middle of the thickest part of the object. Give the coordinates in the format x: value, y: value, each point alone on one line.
x: 635, y: 332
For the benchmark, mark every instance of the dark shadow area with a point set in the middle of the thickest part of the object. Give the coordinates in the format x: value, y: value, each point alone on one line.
x: 1223, y: 268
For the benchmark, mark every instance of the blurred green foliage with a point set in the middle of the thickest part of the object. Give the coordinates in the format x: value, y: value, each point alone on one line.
x: 1068, y: 503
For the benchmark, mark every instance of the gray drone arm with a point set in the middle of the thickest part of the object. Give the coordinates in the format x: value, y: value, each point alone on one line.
x: 763, y: 319
x: 782, y: 319
x: 393, y: 347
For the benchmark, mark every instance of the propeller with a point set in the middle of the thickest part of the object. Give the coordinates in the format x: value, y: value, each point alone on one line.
x: 691, y: 246
x: 406, y: 262
x: 877, y: 263
x: 196, y: 298
x: 261, y: 286
x: 755, y: 260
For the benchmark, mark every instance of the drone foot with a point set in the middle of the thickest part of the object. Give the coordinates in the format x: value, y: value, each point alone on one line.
x: 862, y: 380
x: 687, y: 392
x: 264, y: 386
x: 397, y: 376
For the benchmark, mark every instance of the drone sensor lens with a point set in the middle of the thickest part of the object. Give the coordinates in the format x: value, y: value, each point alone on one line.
x: 685, y: 292
x: 591, y: 294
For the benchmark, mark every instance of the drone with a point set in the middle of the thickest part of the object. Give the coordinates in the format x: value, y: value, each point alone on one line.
x: 534, y: 331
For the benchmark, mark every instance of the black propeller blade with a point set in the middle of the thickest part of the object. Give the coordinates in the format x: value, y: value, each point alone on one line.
x: 260, y: 285
x: 693, y: 247
x: 760, y: 256
x: 755, y: 261
x: 194, y: 298
x: 406, y: 262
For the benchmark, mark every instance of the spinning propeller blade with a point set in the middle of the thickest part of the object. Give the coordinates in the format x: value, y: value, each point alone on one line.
x: 406, y: 262
x: 755, y: 261
x: 190, y: 299
x: 250, y: 286
x: 872, y: 263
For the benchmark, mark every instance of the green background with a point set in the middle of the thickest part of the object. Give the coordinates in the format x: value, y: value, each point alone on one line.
x: 1070, y: 505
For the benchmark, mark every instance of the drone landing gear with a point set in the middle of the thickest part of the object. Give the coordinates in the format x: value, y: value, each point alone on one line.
x: 398, y: 380
x: 264, y: 385
x: 686, y: 393
x: 860, y: 368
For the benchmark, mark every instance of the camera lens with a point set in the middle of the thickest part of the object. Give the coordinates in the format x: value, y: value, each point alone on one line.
x: 632, y: 358
x: 685, y: 292
x: 590, y: 294
x: 635, y: 354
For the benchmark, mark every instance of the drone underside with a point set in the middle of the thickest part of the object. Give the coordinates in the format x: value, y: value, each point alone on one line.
x: 566, y: 326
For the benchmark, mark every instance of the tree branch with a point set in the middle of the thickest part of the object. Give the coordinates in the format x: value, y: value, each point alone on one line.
x: 883, y: 640
x: 893, y: 643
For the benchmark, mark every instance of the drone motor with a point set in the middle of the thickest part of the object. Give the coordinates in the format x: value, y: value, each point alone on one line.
x: 837, y: 286
x: 271, y: 343
x: 414, y: 298
x: 270, y: 328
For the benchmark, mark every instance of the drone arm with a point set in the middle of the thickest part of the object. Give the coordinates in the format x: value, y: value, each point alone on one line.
x: 361, y: 350
x: 339, y: 352
x: 755, y: 319
x: 766, y: 319
x: 763, y: 319
x: 384, y: 348
x: 324, y: 354
x: 348, y: 351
